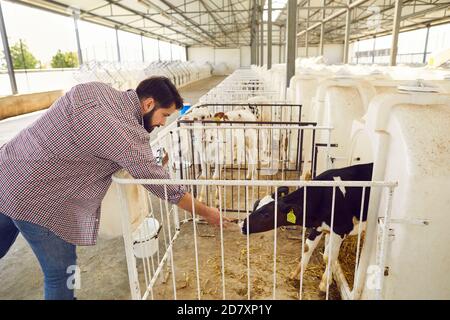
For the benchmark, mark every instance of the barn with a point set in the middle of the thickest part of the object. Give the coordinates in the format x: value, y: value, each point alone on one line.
x: 225, y: 150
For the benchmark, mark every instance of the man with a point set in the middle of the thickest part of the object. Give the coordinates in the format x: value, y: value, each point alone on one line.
x: 55, y: 173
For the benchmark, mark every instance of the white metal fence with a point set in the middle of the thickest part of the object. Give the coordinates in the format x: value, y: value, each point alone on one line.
x: 170, y: 269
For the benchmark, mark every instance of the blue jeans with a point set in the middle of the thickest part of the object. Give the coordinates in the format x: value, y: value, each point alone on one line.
x: 56, y: 256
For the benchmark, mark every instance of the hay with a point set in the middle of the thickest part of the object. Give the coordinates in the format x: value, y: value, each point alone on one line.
x: 347, y: 257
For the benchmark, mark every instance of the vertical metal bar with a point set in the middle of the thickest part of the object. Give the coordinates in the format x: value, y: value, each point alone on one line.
x: 322, y: 28
x: 356, y: 279
x: 306, y: 33
x: 291, y: 40
x: 187, y: 53
x: 222, y: 250
x: 9, y: 63
x: 275, y: 245
x: 330, y: 244
x: 128, y: 243
x: 174, y: 283
x: 384, y: 241
x: 142, y: 47
x: 347, y: 31
x: 426, y: 46
x: 257, y: 43
x: 373, y: 49
x: 76, y: 16
x: 279, y: 45
x: 117, y: 44
x: 269, y: 35
x: 159, y: 52
x: 170, y: 45
x: 395, y: 31
x: 248, y: 247
x: 302, y: 271
x: 262, y: 34
x: 253, y: 34
x: 195, y: 245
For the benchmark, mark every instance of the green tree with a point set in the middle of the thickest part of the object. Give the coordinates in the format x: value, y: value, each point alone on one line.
x: 22, y: 57
x: 64, y: 60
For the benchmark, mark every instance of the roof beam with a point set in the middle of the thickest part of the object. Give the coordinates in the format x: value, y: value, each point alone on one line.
x: 216, y: 20
x: 181, y: 13
x: 116, y: 3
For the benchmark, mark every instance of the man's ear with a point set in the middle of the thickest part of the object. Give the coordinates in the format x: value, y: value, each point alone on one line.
x: 147, y: 104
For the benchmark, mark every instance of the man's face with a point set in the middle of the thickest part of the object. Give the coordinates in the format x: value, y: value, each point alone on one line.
x: 154, y: 115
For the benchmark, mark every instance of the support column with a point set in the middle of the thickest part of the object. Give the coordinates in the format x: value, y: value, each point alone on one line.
x: 9, y: 63
x: 280, y: 44
x: 187, y: 53
x: 262, y: 33
x: 142, y: 48
x: 426, y: 45
x: 253, y: 35
x: 322, y: 29
x: 347, y: 31
x: 306, y: 33
x: 395, y: 31
x: 257, y: 44
x: 159, y: 52
x: 117, y: 43
x: 269, y: 35
x: 76, y: 15
x: 373, y: 49
x: 291, y: 40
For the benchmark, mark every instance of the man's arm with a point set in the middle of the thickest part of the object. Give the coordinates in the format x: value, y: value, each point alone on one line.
x: 211, y: 215
x: 105, y: 136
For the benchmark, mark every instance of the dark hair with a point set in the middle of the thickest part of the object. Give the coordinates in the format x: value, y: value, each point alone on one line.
x: 162, y: 90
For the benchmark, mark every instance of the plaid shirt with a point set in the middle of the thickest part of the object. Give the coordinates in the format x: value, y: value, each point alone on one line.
x: 56, y: 172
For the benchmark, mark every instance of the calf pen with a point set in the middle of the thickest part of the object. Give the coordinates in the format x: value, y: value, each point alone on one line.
x: 175, y: 255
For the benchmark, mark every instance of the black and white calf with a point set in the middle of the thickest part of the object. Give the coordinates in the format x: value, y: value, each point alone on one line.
x: 347, y: 209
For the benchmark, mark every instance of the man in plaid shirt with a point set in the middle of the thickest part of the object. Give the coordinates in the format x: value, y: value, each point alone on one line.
x: 55, y: 173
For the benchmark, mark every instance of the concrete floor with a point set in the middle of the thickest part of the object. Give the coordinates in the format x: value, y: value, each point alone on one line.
x: 103, y: 267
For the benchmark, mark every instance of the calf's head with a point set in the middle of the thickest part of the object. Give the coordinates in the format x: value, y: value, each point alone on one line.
x: 289, y: 212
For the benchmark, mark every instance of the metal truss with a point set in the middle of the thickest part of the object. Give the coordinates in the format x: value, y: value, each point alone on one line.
x: 228, y: 23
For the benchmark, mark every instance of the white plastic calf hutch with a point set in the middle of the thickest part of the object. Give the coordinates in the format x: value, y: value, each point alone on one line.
x: 406, y: 135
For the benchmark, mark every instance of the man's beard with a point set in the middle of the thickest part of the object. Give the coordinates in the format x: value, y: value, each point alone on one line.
x: 147, y: 120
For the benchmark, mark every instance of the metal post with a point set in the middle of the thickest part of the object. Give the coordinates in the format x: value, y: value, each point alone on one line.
x: 357, y: 51
x: 76, y: 15
x: 159, y: 52
x: 253, y: 35
x: 426, y: 45
x: 117, y: 43
x: 257, y: 44
x: 280, y: 42
x: 142, y: 47
x: 269, y: 35
x: 291, y: 40
x: 306, y: 33
x: 187, y: 53
x: 170, y: 46
x: 262, y: 34
x: 9, y: 63
x: 347, y: 31
x: 322, y: 29
x: 373, y: 49
x: 395, y: 31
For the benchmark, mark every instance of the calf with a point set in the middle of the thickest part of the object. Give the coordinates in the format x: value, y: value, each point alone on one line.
x: 347, y: 209
x: 194, y: 138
